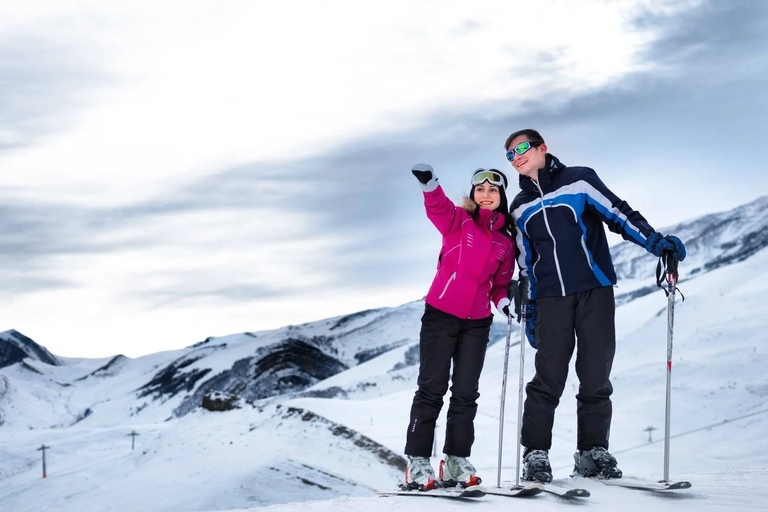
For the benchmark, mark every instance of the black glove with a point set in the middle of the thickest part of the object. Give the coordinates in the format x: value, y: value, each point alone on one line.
x: 675, y: 246
x: 519, y: 292
x: 423, y: 173
x: 503, y: 306
x: 657, y: 245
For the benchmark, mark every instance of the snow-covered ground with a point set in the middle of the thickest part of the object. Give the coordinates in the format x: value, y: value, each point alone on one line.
x: 305, y: 453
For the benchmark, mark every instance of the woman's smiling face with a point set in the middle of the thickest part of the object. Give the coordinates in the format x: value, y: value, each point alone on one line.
x: 487, y: 196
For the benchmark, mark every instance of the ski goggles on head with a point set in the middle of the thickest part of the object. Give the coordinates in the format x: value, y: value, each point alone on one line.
x: 491, y: 176
x: 520, y: 149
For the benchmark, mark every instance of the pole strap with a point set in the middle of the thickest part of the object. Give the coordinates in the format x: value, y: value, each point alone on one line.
x: 666, y: 269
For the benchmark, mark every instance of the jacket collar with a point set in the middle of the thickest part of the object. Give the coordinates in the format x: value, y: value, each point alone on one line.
x: 546, y: 174
x: 484, y: 217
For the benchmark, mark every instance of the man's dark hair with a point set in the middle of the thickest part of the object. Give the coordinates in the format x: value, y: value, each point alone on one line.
x: 534, y: 137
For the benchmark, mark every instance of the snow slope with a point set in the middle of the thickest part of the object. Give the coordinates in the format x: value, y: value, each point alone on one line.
x: 328, y: 444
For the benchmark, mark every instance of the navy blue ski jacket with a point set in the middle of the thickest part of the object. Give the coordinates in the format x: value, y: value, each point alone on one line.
x: 561, y: 242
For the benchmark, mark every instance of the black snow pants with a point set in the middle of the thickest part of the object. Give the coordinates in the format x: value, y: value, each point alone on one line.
x: 590, y: 316
x: 444, y: 339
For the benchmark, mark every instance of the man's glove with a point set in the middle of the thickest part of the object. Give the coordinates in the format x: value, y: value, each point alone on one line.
x: 503, y: 306
x: 423, y: 173
x: 531, y: 316
x: 657, y: 245
x: 675, y: 246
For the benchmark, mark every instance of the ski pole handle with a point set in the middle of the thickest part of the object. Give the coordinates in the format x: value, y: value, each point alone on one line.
x: 513, y: 290
x: 670, y: 261
x: 522, y: 292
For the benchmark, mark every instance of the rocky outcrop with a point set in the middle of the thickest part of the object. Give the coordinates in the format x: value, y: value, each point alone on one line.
x: 289, y: 366
x: 15, y: 347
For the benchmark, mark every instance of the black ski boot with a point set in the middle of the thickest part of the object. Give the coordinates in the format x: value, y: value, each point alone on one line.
x: 596, y: 462
x: 536, y: 466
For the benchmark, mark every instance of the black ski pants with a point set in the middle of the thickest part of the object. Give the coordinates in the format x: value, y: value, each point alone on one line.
x: 444, y: 339
x: 589, y: 318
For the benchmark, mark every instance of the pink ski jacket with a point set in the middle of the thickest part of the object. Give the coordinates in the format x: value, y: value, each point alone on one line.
x: 477, y: 260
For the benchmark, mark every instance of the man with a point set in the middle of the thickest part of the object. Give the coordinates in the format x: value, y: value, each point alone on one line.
x: 563, y: 251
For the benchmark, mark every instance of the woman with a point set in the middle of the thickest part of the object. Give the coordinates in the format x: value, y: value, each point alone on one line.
x: 475, y: 266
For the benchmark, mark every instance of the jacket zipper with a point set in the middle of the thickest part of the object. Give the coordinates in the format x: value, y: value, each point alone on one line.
x: 453, y: 276
x: 554, y: 242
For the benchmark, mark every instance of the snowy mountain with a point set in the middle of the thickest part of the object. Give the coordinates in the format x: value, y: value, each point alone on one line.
x: 173, y: 383
x: 318, y: 411
x: 712, y: 241
x: 15, y: 347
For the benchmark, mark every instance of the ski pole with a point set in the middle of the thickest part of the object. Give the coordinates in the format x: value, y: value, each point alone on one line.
x: 520, y: 396
x: 671, y: 270
x: 521, y: 299
x: 512, y: 292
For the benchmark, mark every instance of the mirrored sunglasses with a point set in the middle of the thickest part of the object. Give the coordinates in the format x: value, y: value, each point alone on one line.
x: 520, y: 149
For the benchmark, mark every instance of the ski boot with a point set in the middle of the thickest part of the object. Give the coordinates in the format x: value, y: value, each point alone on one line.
x: 457, y: 471
x: 596, y: 462
x: 419, y: 475
x: 536, y: 466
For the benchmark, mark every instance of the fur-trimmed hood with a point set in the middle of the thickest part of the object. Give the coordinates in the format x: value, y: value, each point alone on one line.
x: 496, y: 218
x: 468, y: 204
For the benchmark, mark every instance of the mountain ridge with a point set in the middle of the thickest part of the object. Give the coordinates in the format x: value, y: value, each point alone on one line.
x: 223, y: 450
x: 295, y: 358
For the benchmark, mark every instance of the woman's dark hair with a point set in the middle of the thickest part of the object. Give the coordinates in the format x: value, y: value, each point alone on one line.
x: 503, y: 208
x: 533, y: 136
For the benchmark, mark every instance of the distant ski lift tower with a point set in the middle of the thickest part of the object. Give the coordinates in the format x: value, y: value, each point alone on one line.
x: 133, y: 435
x: 42, y: 449
x: 649, y: 430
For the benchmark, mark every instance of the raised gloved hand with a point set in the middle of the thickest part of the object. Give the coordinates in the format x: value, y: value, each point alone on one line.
x: 531, y: 316
x: 657, y: 245
x: 503, y: 306
x: 423, y: 173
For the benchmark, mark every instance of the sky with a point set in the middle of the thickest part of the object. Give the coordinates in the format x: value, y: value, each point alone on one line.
x: 172, y: 171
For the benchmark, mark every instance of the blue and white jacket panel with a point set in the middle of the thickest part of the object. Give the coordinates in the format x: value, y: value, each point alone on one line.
x: 560, y: 236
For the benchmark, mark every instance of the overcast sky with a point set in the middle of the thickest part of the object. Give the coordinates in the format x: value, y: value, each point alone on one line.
x: 176, y: 170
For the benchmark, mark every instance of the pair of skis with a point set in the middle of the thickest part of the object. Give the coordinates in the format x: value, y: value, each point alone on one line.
x: 536, y: 488
x: 640, y: 485
x: 473, y: 491
x: 533, y: 489
x: 478, y: 491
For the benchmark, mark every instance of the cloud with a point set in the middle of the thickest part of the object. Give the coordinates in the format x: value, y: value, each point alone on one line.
x: 715, y: 30
x: 349, y: 216
x: 183, y: 292
x: 255, y: 81
x: 41, y: 85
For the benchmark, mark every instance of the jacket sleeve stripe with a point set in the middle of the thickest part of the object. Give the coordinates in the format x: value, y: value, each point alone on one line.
x: 604, y: 202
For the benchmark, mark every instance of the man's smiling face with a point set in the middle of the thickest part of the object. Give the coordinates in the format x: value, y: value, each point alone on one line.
x: 529, y: 163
